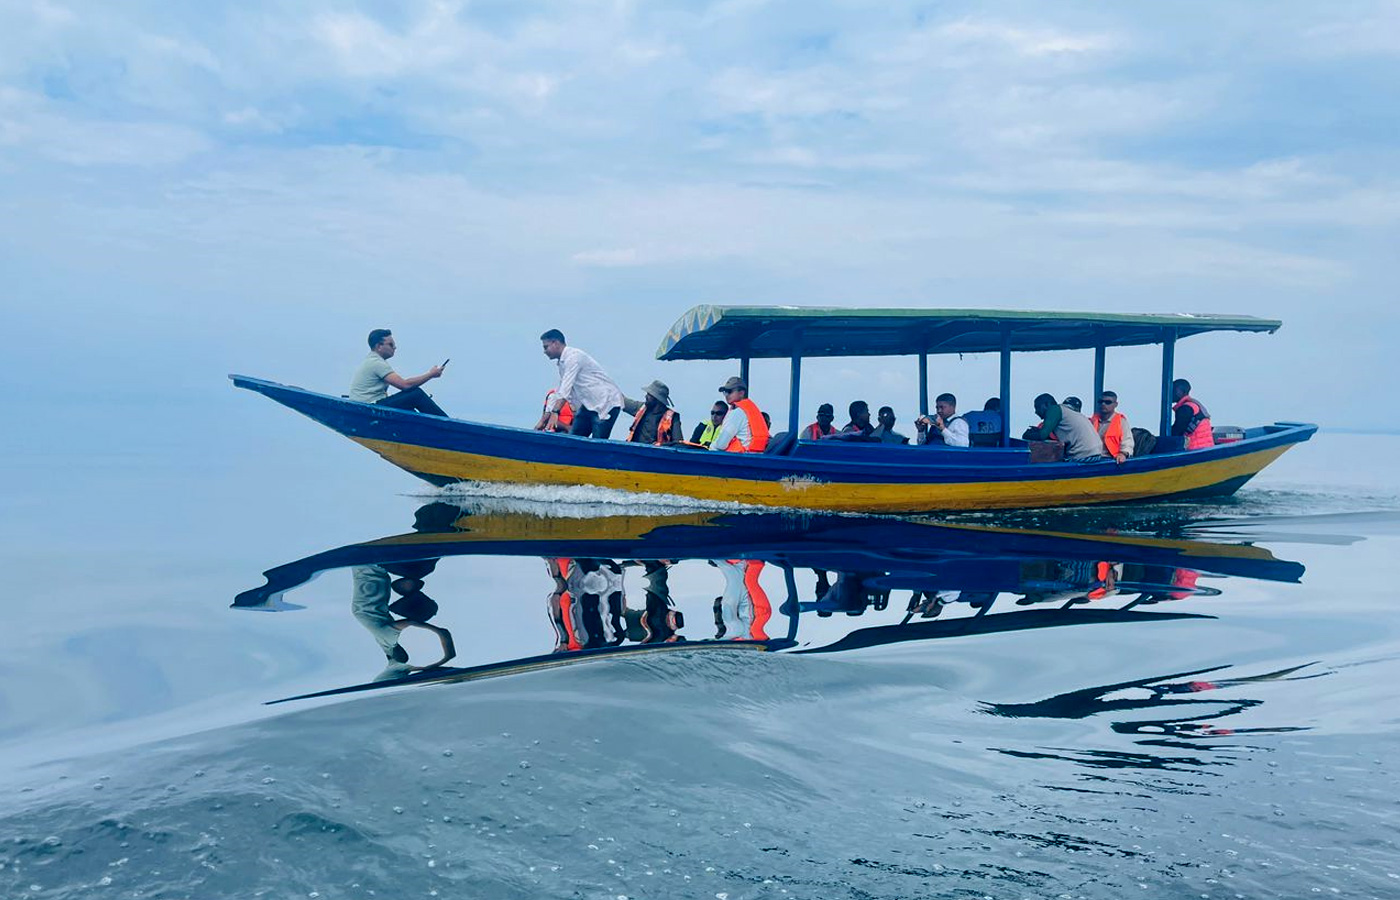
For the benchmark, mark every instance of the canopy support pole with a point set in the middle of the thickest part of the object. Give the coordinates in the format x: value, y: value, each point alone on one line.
x: 795, y: 387
x: 744, y: 369
x: 1168, y: 363
x: 1099, y: 353
x: 923, y: 384
x: 1006, y: 387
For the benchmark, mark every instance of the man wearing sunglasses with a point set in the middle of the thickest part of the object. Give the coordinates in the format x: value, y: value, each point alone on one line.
x: 1112, y: 426
x: 704, y: 433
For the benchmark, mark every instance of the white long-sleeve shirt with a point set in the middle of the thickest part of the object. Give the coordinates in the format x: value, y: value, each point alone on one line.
x: 955, y: 433
x: 584, y: 384
x: 736, y: 425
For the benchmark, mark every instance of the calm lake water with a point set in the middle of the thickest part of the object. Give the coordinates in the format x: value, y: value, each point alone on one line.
x: 1163, y: 701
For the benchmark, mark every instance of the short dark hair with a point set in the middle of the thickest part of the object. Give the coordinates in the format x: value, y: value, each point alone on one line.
x: 858, y: 406
x: 1045, y: 400
x: 946, y: 398
x: 1109, y: 394
x: 377, y: 336
x: 886, y: 409
x: 993, y: 404
x: 719, y: 406
x: 1183, y: 384
x: 553, y: 334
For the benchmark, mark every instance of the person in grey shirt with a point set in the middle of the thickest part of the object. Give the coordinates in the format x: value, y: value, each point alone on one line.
x: 375, y: 376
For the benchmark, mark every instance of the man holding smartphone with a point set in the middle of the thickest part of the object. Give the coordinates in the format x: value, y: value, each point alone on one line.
x: 375, y: 376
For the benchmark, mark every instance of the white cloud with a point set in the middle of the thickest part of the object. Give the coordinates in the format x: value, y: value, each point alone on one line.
x: 1026, y: 41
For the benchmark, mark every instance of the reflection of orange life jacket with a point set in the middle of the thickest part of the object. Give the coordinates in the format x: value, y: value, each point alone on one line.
x: 1185, y: 582
x: 1102, y: 571
x: 762, y: 609
x: 663, y: 428
x: 757, y: 427
x: 1113, y: 437
x: 566, y: 412
x: 566, y: 606
x: 1201, y: 435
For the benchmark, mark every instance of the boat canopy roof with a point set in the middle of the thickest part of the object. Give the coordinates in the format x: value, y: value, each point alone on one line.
x: 759, y: 332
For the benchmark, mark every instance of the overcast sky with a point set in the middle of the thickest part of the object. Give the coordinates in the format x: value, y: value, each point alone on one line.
x: 192, y: 189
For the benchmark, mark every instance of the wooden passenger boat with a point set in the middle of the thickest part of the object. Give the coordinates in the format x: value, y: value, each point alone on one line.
x: 835, y: 475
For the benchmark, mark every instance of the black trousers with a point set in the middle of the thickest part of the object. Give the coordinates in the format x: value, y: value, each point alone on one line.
x: 590, y: 424
x: 415, y: 399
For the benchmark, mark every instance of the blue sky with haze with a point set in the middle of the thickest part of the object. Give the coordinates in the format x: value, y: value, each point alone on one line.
x: 194, y: 189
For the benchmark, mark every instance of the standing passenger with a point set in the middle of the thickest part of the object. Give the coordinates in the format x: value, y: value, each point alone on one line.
x: 743, y: 430
x: 1192, y: 421
x: 595, y: 397
x: 1112, y: 427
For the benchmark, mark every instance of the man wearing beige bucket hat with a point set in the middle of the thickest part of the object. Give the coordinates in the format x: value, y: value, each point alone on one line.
x: 656, y: 422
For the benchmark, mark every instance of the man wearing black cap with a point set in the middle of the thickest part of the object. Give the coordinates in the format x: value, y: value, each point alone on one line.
x: 744, y: 430
x: 656, y: 422
x: 822, y: 427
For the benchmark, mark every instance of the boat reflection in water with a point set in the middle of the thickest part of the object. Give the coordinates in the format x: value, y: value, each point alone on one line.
x: 866, y: 582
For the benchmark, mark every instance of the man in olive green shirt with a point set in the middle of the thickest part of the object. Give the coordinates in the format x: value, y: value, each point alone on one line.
x: 375, y: 376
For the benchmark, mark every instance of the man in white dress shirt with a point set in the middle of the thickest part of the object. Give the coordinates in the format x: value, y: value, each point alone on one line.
x: 946, y: 427
x: 595, y: 398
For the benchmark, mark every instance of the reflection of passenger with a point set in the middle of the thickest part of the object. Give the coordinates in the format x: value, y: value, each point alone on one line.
x: 736, y: 608
x: 370, y: 606
x: 743, y: 610
x: 595, y: 586
x: 658, y: 621
x: 561, y: 606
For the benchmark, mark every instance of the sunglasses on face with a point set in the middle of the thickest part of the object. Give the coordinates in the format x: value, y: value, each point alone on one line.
x: 1107, y: 402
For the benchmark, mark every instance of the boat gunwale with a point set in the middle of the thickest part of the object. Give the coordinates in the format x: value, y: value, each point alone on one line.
x: 992, y: 464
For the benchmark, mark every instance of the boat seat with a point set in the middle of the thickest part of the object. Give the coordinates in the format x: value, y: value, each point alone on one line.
x: 781, y: 444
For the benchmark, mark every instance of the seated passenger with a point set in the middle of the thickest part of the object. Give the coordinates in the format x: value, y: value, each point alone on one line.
x: 704, y: 433
x: 822, y: 427
x: 984, y: 426
x: 860, y: 419
x: 656, y: 422
x: 945, y: 426
x: 1060, y: 423
x: 1074, y: 403
x: 744, y: 430
x: 1191, y: 421
x: 375, y: 376
x: 1112, y: 427
x: 885, y: 430
x: 566, y: 414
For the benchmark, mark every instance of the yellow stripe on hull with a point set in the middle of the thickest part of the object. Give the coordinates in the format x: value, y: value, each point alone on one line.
x: 833, y: 497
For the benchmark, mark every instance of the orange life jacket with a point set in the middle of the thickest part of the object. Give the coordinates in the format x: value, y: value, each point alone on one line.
x: 1201, y: 435
x: 814, y: 431
x: 1113, y: 437
x: 663, y: 428
x: 757, y: 428
x: 566, y: 412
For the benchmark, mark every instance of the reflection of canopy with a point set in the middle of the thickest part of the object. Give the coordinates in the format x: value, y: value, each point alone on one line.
x: 758, y: 332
